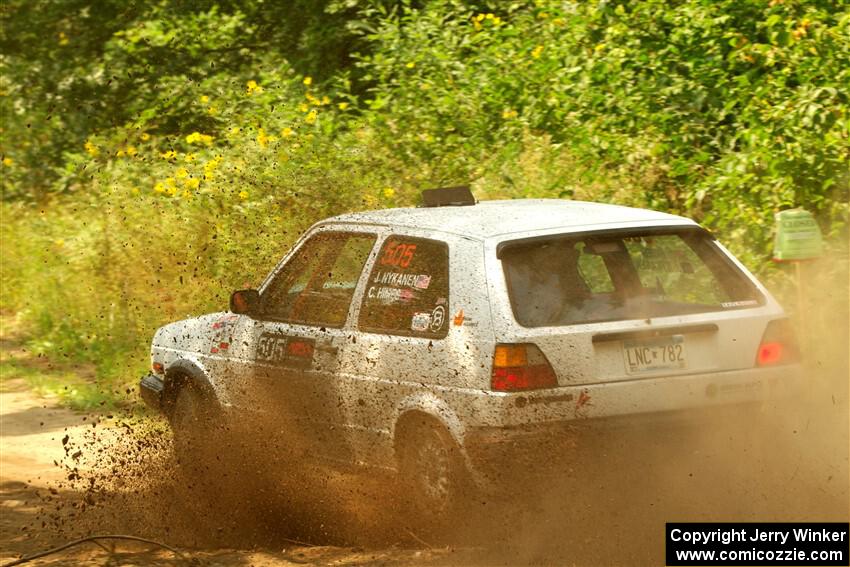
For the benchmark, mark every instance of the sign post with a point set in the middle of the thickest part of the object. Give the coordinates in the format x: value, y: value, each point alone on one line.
x: 798, y: 238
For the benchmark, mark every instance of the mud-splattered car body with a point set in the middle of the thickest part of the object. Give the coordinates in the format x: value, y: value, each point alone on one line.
x: 380, y: 320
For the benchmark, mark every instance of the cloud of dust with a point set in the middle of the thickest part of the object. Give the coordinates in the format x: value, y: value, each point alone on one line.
x: 606, y: 503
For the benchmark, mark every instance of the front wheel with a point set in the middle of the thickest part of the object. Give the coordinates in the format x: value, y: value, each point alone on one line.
x: 190, y: 420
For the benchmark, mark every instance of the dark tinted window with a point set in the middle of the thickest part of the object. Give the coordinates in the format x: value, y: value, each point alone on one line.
x: 408, y: 289
x: 316, y: 286
x: 565, y: 280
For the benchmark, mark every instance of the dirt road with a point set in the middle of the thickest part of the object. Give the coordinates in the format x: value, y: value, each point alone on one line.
x: 65, y: 474
x: 40, y: 508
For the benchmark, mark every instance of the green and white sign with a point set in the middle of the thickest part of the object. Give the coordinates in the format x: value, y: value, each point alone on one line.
x: 798, y: 236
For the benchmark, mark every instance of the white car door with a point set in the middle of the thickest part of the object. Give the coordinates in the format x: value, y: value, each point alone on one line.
x: 296, y: 339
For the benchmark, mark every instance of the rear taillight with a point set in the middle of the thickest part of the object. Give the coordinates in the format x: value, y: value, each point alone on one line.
x: 521, y: 367
x: 778, y: 344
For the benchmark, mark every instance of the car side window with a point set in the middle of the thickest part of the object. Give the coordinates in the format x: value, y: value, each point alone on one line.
x: 408, y: 290
x: 316, y: 286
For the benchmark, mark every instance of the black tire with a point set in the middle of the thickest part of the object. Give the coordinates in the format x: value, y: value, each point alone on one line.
x: 432, y: 475
x: 190, y: 424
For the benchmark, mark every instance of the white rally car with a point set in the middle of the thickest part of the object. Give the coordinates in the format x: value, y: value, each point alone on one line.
x: 425, y: 340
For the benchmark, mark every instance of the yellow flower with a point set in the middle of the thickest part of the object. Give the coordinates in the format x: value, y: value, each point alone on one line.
x: 198, y: 138
x: 311, y: 117
x: 135, y: 191
x: 542, y: 15
x: 145, y: 136
x: 253, y: 87
x: 131, y: 151
x: 311, y: 99
x: 204, y: 99
x: 60, y: 243
x: 263, y: 139
x: 343, y: 105
x: 509, y: 113
x: 63, y: 39
x: 212, y: 110
x: 537, y: 51
x: 287, y: 132
x: 171, y: 190
x: 389, y: 192
x: 325, y: 100
x: 599, y: 47
x: 159, y: 187
x: 307, y: 81
x: 119, y: 153
x: 411, y: 65
x: 8, y: 162
x: 181, y: 173
x: 91, y: 149
x: 192, y: 183
x: 169, y: 155
x: 189, y: 158
x: 243, y: 195
x: 304, y: 107
x: 210, y: 167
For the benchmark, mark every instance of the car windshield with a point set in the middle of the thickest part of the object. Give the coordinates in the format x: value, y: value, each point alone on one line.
x: 566, y: 279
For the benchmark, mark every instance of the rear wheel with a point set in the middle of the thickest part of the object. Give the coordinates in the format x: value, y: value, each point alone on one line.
x: 432, y: 473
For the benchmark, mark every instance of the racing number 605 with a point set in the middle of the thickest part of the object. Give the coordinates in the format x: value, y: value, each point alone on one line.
x: 398, y: 255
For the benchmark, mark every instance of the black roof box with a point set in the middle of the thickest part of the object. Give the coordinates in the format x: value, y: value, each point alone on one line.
x: 448, y: 197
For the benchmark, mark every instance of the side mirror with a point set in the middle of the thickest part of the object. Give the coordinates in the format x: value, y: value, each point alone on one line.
x: 245, y: 302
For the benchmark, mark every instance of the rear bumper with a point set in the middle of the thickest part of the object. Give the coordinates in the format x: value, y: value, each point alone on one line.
x: 151, y: 388
x: 580, y: 418
x: 658, y: 396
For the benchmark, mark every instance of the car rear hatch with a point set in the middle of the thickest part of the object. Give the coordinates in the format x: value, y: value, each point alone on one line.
x: 627, y: 304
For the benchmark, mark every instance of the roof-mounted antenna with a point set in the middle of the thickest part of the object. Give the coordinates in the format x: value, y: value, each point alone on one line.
x: 458, y: 196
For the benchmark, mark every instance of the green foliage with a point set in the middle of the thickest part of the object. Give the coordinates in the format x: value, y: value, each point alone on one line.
x: 724, y: 111
x: 158, y: 155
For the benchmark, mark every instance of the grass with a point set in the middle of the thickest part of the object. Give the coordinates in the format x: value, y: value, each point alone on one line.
x: 73, y: 385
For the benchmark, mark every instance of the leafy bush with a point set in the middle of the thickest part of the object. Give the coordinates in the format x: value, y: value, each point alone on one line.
x: 157, y: 157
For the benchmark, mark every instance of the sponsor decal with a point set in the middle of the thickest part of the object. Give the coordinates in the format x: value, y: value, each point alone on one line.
x: 438, y: 317
x: 222, y: 334
x: 420, y: 322
x: 745, y: 303
x: 458, y: 318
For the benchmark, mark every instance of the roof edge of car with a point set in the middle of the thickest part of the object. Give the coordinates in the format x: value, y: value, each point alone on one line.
x: 621, y: 231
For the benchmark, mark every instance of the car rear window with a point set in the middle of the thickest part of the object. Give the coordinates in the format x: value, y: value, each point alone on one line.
x: 408, y: 289
x: 568, y: 279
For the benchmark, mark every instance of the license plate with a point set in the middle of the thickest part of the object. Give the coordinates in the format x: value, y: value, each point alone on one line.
x: 652, y: 355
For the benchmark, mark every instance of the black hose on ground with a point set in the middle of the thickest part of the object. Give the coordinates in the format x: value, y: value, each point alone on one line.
x: 94, y: 539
